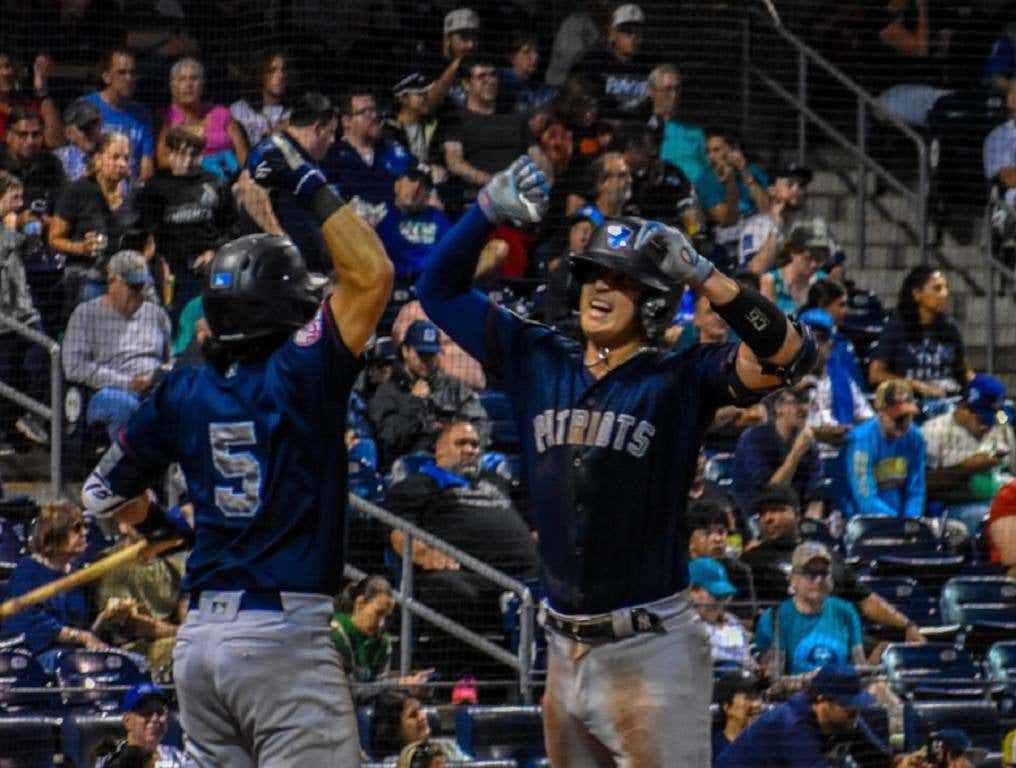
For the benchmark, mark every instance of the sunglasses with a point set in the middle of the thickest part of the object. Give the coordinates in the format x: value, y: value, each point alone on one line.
x: 814, y: 574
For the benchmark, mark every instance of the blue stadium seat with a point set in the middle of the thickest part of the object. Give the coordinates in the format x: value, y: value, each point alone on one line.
x: 978, y: 718
x: 906, y: 595
x: 963, y: 591
x: 364, y: 479
x: 29, y: 741
x: 932, y: 670
x: 500, y: 732
x: 10, y: 546
x: 720, y: 468
x: 867, y: 537
x: 20, y: 670
x: 1000, y: 662
x: 816, y: 530
x: 96, y: 671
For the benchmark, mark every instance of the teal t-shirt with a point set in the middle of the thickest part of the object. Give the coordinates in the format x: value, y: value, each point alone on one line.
x: 711, y: 192
x: 812, y: 641
x: 684, y: 145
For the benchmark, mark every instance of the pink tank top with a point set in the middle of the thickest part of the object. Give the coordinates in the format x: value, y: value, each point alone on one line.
x: 216, y: 120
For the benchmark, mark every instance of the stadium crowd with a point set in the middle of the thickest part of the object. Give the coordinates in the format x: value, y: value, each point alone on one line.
x: 113, y: 202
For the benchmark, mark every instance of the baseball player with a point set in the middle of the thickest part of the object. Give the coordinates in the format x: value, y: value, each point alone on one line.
x: 610, y: 431
x: 258, y: 432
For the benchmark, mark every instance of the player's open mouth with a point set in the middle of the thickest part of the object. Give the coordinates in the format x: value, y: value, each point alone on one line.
x: 599, y: 308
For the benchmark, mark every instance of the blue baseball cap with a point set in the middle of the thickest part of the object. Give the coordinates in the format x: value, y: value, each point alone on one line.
x: 589, y: 213
x: 139, y: 693
x: 954, y: 740
x: 424, y: 337
x: 817, y: 318
x: 710, y: 574
x: 131, y: 267
x: 985, y: 396
x: 842, y: 684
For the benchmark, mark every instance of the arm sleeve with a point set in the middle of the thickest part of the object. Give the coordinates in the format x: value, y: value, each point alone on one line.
x: 861, y: 480
x: 914, y: 504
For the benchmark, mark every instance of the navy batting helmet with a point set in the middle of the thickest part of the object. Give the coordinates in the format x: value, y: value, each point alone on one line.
x: 612, y: 247
x: 257, y: 286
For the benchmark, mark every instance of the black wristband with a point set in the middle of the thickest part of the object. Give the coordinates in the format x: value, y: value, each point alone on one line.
x: 324, y: 203
x: 760, y: 323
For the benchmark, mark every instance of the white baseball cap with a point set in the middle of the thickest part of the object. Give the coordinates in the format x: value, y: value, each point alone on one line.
x: 629, y: 13
x: 461, y: 19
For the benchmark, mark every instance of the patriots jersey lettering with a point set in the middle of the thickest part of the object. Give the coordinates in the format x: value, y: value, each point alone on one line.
x: 599, y: 429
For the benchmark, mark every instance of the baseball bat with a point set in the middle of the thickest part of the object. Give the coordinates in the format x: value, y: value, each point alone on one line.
x: 120, y: 559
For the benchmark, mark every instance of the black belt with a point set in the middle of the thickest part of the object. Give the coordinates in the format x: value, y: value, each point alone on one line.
x: 616, y: 625
x: 249, y: 601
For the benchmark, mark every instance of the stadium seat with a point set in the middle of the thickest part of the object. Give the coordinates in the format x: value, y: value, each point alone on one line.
x: 1000, y: 662
x: 364, y: 479
x: 932, y: 670
x: 720, y: 468
x: 962, y: 591
x: 20, y: 670
x: 867, y: 537
x: 816, y: 530
x: 29, y: 741
x: 906, y: 595
x: 11, y: 546
x: 499, y: 732
x: 96, y: 671
x: 84, y: 731
x: 978, y: 718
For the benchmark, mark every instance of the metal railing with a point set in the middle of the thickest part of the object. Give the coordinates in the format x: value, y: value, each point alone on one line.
x: 54, y: 412
x: 867, y: 107
x: 522, y: 662
x: 994, y: 269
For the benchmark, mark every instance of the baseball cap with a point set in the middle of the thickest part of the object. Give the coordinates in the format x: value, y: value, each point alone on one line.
x: 811, y: 234
x: 807, y: 551
x: 589, y: 213
x: 82, y: 113
x: 131, y: 267
x: 379, y: 350
x: 139, y: 693
x: 423, y: 336
x: 461, y: 19
x: 710, y: 574
x: 629, y: 13
x: 954, y: 740
x: 779, y: 495
x: 895, y: 397
x: 817, y: 318
x: 793, y: 171
x: 415, y: 82
x: 842, y: 684
x: 985, y: 396
x: 733, y: 683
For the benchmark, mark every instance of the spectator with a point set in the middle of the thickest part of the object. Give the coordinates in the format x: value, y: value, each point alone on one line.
x: 1002, y: 528
x: 807, y: 247
x: 146, y: 720
x: 609, y: 186
x: 59, y: 536
x: 399, y: 720
x: 556, y: 306
x: 82, y: 129
x: 190, y: 212
x: 710, y: 521
x: 580, y: 31
x: 42, y: 104
x: 780, y: 451
x: 478, y: 142
x: 619, y: 71
x: 920, y: 342
x: 262, y: 111
x: 456, y: 501
x: 778, y: 510
x: 225, y: 142
x: 709, y: 590
x: 799, y: 732
x: 762, y: 235
x: 414, y: 126
x: 999, y: 150
x: 884, y: 458
x: 681, y: 144
x: 312, y: 126
x: 378, y: 362
x: 953, y: 746
x: 706, y: 327
x: 127, y: 757
x: 837, y: 401
x: 422, y: 754
x: 452, y: 358
x: 830, y: 295
x: 739, y: 698
x: 95, y: 217
x: 24, y: 156
x: 411, y: 227
x: 967, y: 448
x: 409, y: 409
x: 116, y: 344
x: 120, y: 113
x: 22, y: 363
x: 461, y: 27
x: 362, y: 162
x: 816, y: 628
x: 517, y: 89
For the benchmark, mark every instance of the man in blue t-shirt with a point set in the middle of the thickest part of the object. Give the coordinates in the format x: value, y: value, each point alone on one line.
x: 120, y: 113
x: 411, y: 227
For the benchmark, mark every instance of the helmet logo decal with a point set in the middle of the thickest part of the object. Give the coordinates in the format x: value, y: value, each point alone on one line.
x: 221, y: 279
x: 618, y: 236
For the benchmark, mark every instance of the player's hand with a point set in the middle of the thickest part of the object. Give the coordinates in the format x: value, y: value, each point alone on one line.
x: 278, y: 163
x: 517, y: 195
x: 682, y: 263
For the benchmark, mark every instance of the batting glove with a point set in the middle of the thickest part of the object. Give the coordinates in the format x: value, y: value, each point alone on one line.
x: 517, y: 195
x: 680, y: 261
x: 278, y: 162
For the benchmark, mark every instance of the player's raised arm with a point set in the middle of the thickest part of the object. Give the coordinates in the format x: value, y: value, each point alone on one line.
x: 774, y: 351
x: 518, y: 195
x: 364, y: 272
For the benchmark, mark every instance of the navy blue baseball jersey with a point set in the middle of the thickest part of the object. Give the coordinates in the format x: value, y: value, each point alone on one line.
x: 263, y: 452
x: 609, y: 462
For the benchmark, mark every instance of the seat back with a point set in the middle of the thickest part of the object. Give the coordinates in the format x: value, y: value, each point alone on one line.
x: 931, y: 669
x: 962, y: 591
x: 816, y: 530
x: 96, y: 672
x: 720, y: 468
x: 500, y: 732
x: 18, y: 671
x: 979, y: 719
x: 28, y: 741
x: 907, y: 595
x: 867, y: 536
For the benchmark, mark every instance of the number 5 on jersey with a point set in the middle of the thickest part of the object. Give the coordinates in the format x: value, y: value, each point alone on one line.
x: 236, y: 465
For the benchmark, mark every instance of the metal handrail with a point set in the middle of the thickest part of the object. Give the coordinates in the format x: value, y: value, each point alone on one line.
x: 522, y: 663
x: 53, y: 413
x: 992, y: 265
x: 866, y: 104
